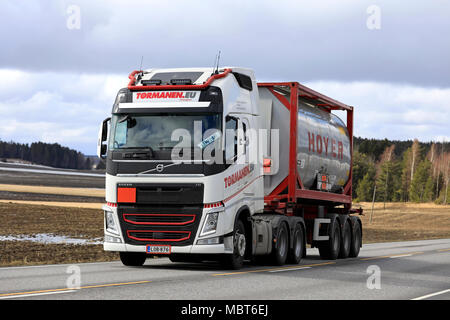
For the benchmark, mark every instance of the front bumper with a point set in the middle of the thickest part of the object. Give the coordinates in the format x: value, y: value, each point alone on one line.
x: 192, y: 248
x: 197, y: 249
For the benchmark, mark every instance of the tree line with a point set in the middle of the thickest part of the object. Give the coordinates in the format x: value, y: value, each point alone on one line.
x: 385, y: 169
x: 388, y: 171
x: 47, y: 154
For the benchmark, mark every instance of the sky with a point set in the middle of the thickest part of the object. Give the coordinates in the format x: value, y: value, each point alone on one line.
x: 62, y: 62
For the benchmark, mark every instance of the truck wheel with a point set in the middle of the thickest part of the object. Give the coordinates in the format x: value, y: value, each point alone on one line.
x: 356, y: 241
x: 236, y: 260
x: 329, y: 249
x: 133, y: 259
x: 346, y: 241
x: 281, y: 246
x: 296, y: 252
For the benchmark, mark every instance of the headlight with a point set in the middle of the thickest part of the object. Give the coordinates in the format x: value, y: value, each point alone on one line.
x: 210, y: 225
x: 110, y: 223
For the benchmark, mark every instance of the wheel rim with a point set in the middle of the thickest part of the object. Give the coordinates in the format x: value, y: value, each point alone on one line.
x: 240, y: 243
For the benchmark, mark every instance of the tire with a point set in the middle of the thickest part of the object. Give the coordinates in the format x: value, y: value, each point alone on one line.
x: 236, y: 260
x: 356, y: 240
x: 329, y: 249
x: 296, y: 252
x: 281, y: 246
x: 346, y: 241
x: 133, y: 259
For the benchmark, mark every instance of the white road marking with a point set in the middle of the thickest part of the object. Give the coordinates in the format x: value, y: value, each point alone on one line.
x: 431, y: 295
x: 35, y: 294
x: 301, y: 268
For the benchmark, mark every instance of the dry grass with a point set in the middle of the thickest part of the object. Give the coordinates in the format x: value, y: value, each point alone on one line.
x: 404, y: 221
x: 86, y: 192
x: 22, y: 219
x: 15, y: 253
x: 32, y: 219
x: 399, y: 222
x: 83, y: 205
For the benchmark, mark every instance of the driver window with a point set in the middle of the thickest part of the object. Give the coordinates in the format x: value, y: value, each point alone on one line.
x: 231, y: 125
x: 121, y: 134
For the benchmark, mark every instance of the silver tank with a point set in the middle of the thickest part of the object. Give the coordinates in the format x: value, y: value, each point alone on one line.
x: 323, y: 145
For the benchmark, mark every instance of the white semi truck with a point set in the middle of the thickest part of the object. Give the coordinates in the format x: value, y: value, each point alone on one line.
x: 206, y: 164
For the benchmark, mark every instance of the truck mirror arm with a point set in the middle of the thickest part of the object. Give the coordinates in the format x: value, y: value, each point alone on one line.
x: 102, y: 137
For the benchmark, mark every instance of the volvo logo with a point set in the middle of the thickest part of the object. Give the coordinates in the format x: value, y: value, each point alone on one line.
x: 159, y: 168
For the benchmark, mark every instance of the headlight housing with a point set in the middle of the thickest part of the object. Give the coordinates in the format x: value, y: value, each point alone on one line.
x: 210, y: 224
x: 110, y: 222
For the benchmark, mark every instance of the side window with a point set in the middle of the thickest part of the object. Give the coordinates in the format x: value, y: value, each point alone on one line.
x: 244, y: 81
x: 120, y: 134
x: 245, y: 126
x: 231, y: 125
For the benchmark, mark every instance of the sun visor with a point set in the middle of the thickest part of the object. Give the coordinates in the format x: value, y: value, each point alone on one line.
x: 126, y: 107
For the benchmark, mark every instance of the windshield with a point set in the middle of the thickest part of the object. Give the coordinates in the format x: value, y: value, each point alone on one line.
x: 162, y: 132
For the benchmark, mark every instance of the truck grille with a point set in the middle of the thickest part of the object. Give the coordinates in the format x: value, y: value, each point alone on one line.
x: 158, y: 235
x: 161, y: 214
x: 144, y: 224
x: 158, y: 219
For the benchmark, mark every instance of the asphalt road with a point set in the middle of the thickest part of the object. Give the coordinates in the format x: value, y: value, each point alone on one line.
x: 407, y: 270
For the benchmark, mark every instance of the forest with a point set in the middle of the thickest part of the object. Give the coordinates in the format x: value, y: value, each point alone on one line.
x: 47, y: 154
x: 401, y: 171
x: 383, y: 170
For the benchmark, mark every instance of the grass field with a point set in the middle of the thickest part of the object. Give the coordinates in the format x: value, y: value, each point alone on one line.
x: 25, y: 219
x: 399, y: 222
x: 86, y: 192
x: 404, y: 221
x: 27, y: 211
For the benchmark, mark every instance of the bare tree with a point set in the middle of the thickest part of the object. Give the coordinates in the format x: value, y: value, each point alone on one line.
x: 383, y: 168
x: 414, y: 155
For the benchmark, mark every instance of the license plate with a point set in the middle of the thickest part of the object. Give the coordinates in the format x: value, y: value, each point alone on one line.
x: 161, y: 249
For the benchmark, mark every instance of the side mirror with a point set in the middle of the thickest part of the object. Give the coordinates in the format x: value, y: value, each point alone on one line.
x: 102, y: 139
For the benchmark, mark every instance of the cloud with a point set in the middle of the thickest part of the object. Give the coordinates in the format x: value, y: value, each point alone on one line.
x: 291, y: 39
x: 68, y: 107
x: 389, y: 110
x: 58, y: 84
x: 56, y: 107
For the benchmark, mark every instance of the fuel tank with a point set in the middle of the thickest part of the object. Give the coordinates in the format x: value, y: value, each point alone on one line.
x: 323, y: 145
